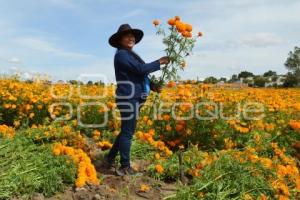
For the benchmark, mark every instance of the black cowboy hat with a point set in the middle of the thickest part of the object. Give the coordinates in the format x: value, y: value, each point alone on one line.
x: 123, y: 29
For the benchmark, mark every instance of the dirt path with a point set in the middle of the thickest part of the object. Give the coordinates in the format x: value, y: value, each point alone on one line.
x: 116, y: 187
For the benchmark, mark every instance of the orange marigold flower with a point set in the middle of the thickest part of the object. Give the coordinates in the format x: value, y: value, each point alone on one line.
x: 172, y: 143
x: 171, y: 84
x: 80, y: 182
x: 185, y: 34
x: 155, y: 22
x: 159, y: 168
x: 151, y: 132
x: 171, y: 22
x: 189, y: 34
x: 297, y: 106
x: 188, y: 27
x: 295, y: 124
x: 180, y: 26
x: 263, y: 197
x: 168, y: 127
x: 56, y: 151
x: 166, y: 117
x: 179, y: 127
x: 177, y: 18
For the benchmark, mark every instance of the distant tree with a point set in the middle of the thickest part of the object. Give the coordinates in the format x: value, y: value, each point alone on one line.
x: 293, y: 61
x: 245, y: 74
x: 223, y: 79
x: 210, y: 79
x: 72, y: 82
x: 270, y: 73
x: 234, y: 78
x: 293, y: 64
x: 90, y: 83
x: 274, y: 78
x: 290, y: 81
x: 99, y: 83
x: 260, y: 81
x: 29, y: 81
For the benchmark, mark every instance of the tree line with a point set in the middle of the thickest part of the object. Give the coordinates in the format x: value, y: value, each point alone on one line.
x: 269, y: 78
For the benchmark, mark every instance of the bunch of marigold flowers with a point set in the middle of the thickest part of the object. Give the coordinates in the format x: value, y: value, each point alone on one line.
x: 179, y: 42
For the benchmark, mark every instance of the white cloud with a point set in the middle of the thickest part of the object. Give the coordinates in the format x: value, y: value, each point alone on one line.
x: 261, y: 40
x: 14, y: 60
x: 45, y: 46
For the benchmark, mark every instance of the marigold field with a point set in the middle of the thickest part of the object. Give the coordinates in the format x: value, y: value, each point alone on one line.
x: 217, y: 142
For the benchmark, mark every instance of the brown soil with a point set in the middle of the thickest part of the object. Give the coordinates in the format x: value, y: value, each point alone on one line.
x: 116, y: 187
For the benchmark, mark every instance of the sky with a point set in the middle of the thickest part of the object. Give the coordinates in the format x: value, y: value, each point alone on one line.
x: 68, y: 39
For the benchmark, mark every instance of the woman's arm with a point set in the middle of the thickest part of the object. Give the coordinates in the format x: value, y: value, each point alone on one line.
x: 125, y: 60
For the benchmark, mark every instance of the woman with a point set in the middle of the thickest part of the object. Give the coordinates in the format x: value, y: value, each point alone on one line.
x: 133, y: 86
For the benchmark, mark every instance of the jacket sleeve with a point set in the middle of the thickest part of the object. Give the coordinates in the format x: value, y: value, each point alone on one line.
x: 123, y: 59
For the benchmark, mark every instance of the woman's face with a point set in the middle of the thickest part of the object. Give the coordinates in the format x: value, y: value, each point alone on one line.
x: 127, y: 41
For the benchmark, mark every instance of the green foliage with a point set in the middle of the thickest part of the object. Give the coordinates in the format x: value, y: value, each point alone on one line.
x: 245, y: 74
x: 26, y: 168
x: 293, y: 64
x: 177, y: 48
x: 210, y: 79
x: 291, y: 80
x: 270, y: 73
x: 171, y: 169
x: 141, y: 150
x: 260, y: 81
x: 293, y: 61
x: 234, y: 78
x: 227, y: 178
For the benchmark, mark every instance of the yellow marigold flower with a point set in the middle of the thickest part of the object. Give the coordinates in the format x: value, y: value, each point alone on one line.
x: 168, y: 152
x: 17, y: 123
x: 157, y: 156
x: 266, y: 162
x: 80, y: 182
x: 297, y: 106
x: 149, y: 122
x: 144, y: 188
x: 145, y: 118
x: 96, y: 133
x: 31, y: 115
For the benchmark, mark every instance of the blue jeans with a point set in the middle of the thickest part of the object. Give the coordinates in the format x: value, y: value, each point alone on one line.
x: 129, y: 110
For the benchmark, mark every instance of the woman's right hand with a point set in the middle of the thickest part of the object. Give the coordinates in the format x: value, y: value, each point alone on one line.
x: 164, y: 60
